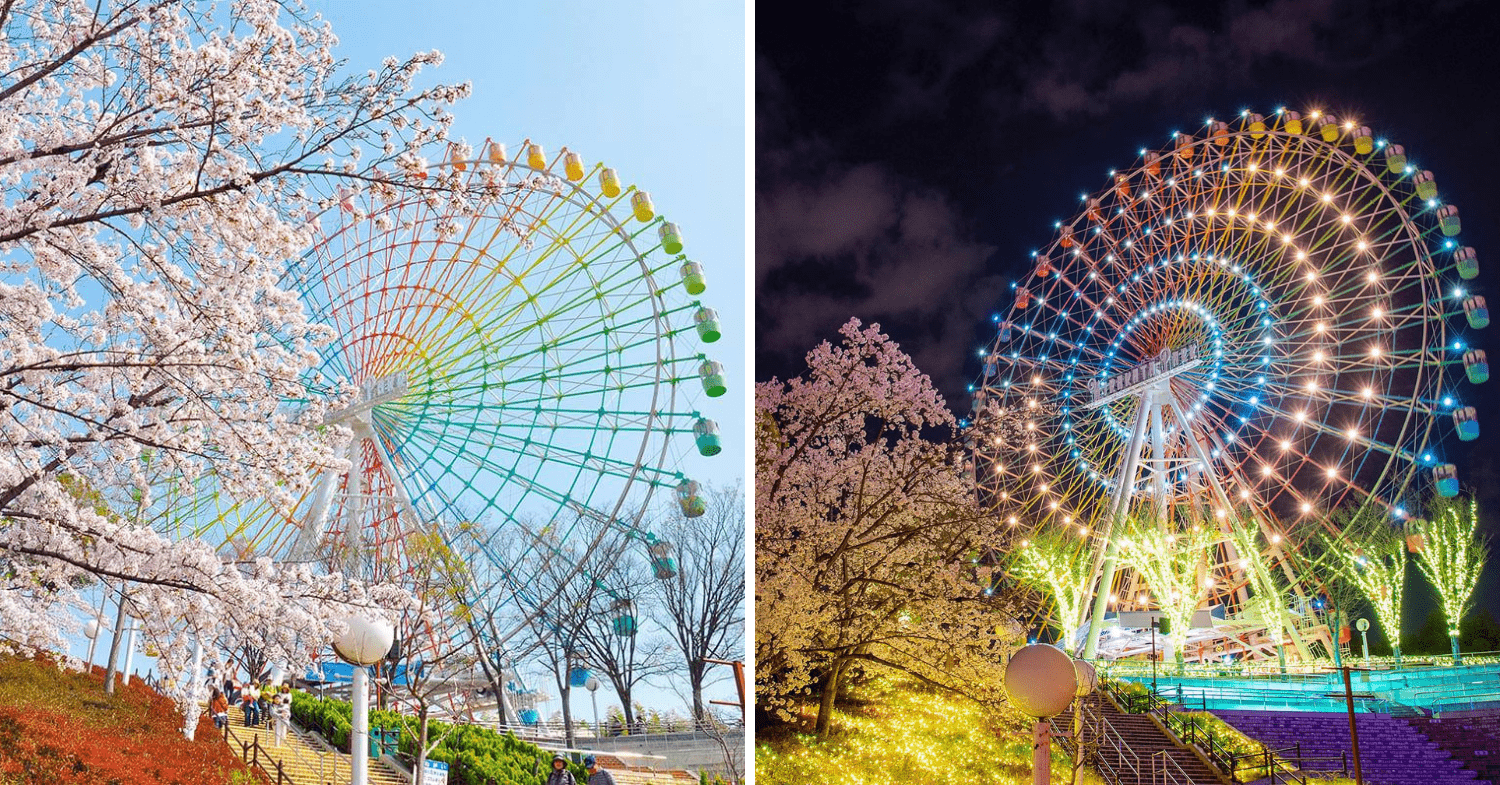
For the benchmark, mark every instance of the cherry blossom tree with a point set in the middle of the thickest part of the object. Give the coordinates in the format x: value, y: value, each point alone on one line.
x: 161, y: 162
x: 864, y: 526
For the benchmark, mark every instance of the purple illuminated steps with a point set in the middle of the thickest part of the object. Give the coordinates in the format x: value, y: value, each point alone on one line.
x: 1391, y: 750
x: 1474, y: 740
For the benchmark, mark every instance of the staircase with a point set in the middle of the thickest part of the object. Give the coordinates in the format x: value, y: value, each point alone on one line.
x: 302, y: 759
x: 1392, y: 752
x: 642, y: 775
x: 1470, y: 742
x: 1134, y: 751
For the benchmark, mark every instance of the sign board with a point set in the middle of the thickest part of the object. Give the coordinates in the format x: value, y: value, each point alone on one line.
x: 435, y: 773
x: 1141, y: 620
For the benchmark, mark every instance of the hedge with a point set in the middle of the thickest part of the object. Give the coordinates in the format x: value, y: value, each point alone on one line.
x: 475, y: 755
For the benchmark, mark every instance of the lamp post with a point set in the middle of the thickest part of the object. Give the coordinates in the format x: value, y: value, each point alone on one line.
x: 364, y: 643
x: 1363, y: 625
x: 1087, y: 679
x: 592, y: 685
x: 1041, y: 681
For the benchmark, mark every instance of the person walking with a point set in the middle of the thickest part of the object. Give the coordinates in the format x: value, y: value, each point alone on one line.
x: 281, y: 710
x: 560, y: 774
x: 266, y: 694
x: 249, y: 702
x: 218, y: 708
x: 597, y: 776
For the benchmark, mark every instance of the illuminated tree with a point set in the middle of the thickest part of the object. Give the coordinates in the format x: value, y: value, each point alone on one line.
x: 863, y: 531
x: 1175, y: 566
x: 1058, y: 563
x: 1269, y: 596
x: 1371, y: 554
x: 1451, y: 557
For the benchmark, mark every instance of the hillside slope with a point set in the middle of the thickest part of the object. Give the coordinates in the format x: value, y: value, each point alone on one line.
x: 59, y: 728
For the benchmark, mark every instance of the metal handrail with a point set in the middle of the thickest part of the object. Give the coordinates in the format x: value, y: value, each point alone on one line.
x: 1167, y: 775
x: 1106, y: 732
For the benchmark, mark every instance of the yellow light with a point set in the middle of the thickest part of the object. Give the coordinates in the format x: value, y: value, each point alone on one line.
x: 1345, y: 218
x: 1208, y: 583
x: 1306, y: 507
x: 1220, y: 512
x: 1244, y: 494
x: 1266, y: 468
x: 1275, y: 538
x: 1349, y: 126
x: 1372, y: 277
x: 1362, y: 245
x: 1141, y: 598
x: 1030, y: 403
x: 1011, y: 520
x: 1316, y: 114
x: 1302, y: 182
x: 1036, y: 468
x: 1031, y: 448
x: 1046, y: 487
x: 1113, y: 598
x: 1280, y: 171
x: 1083, y: 530
x: 1036, y: 379
x: 1320, y: 327
x: 1333, y: 473
x: 1054, y: 504
x: 1318, y: 300
x: 1285, y: 445
x: 1327, y: 197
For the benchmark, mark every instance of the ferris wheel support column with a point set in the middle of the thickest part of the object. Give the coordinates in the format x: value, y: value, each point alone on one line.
x: 1223, y: 497
x: 1104, y: 567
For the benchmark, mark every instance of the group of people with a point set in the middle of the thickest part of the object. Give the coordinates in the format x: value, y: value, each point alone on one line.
x: 561, y: 776
x: 269, y: 705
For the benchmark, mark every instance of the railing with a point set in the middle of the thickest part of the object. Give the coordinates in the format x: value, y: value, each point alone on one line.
x: 251, y: 753
x: 1124, y: 760
x: 1166, y: 771
x: 1193, y: 730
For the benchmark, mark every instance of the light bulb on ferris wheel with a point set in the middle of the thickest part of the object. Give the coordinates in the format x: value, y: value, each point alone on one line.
x: 1266, y: 320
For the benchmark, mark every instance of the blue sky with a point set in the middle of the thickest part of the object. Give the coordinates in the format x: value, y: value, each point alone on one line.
x: 655, y: 89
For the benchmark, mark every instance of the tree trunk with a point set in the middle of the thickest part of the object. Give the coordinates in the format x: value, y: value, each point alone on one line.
x: 567, y: 703
x: 419, y: 772
x: 829, y: 697
x: 696, y: 670
x: 114, y: 646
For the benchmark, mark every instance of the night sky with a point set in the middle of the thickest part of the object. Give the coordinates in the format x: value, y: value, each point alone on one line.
x: 911, y: 155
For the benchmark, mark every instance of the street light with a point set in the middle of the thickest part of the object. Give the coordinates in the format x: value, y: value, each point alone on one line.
x: 1363, y: 625
x: 1041, y: 681
x: 592, y: 685
x: 364, y: 643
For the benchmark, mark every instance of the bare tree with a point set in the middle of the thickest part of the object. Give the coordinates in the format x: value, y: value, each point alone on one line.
x: 555, y: 632
x: 702, y: 605
x: 613, y: 640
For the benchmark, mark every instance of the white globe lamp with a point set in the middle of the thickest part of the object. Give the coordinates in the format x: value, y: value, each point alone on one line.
x: 91, y: 630
x: 1086, y: 676
x: 363, y: 643
x: 1041, y: 681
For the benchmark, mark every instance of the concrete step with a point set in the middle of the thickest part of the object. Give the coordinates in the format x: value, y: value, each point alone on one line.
x: 301, y: 759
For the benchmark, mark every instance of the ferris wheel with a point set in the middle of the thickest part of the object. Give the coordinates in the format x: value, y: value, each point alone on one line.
x: 1268, y: 318
x: 527, y: 375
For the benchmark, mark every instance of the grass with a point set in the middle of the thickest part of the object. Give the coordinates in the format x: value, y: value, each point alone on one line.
x: 896, y: 732
x: 59, y: 728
